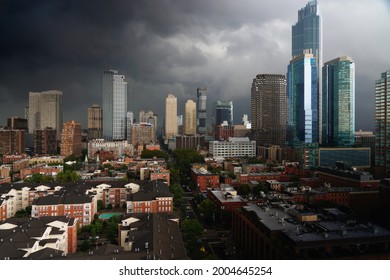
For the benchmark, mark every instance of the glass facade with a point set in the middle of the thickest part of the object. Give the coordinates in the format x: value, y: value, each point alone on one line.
x: 114, y: 106
x: 338, y: 102
x: 307, y: 39
x: 201, y: 110
x: 357, y: 157
x: 302, y: 124
x: 382, y: 123
x: 306, y: 33
x: 223, y: 112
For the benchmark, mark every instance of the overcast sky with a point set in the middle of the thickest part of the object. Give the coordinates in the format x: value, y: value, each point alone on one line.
x: 175, y: 46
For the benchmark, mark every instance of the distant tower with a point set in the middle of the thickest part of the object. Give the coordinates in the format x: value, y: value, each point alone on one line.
x: 382, y: 124
x: 45, y: 110
x: 114, y: 105
x: 129, y: 124
x: 148, y: 117
x: 338, y: 102
x: 170, y: 116
x: 269, y: 109
x: 223, y: 112
x: 201, y: 121
x: 190, y: 118
x: 71, y: 139
x: 95, y: 122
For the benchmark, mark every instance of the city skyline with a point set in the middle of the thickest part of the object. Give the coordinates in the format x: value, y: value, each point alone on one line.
x: 191, y: 44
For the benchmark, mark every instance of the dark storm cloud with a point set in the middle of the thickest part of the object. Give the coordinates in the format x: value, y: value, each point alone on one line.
x: 170, y: 46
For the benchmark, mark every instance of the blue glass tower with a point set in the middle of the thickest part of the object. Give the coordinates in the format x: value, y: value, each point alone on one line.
x: 302, y: 125
x: 307, y: 39
x: 338, y: 102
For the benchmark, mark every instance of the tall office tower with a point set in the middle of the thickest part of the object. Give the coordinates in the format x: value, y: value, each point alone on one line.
x: 223, y: 112
x: 148, y: 117
x: 190, y: 118
x: 95, y: 122
x: 45, y: 141
x: 269, y: 109
x: 114, y: 105
x: 302, y: 120
x: 307, y: 38
x: 11, y: 141
x: 45, y: 110
x: 338, y: 102
x: 71, y: 139
x: 382, y: 124
x: 201, y: 121
x: 170, y: 116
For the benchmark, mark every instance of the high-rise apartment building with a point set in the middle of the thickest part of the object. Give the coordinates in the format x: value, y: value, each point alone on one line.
x: 170, y: 116
x: 95, y: 122
x: 201, y: 105
x: 114, y: 105
x: 269, y: 109
x: 143, y: 133
x: 17, y: 123
x: 382, y: 124
x: 338, y: 102
x: 223, y: 112
x: 190, y: 118
x: 307, y: 38
x: 45, y: 110
x: 147, y: 117
x: 71, y: 139
x: 45, y: 142
x: 11, y: 141
x: 302, y: 123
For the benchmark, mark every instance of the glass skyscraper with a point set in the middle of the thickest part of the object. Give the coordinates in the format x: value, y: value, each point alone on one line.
x: 114, y: 105
x: 307, y: 39
x: 201, y: 110
x: 382, y: 124
x: 302, y: 124
x: 338, y: 102
x: 307, y: 32
x: 223, y: 112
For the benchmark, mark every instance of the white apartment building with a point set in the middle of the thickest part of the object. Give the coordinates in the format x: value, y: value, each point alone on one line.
x: 234, y: 147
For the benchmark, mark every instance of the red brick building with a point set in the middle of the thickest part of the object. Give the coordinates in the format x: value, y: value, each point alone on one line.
x: 263, y: 177
x: 78, y: 206
x: 204, y: 179
x: 151, y: 197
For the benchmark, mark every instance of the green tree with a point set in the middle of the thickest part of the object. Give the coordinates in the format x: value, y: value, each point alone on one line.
x: 154, y: 153
x: 243, y: 190
x: 85, y: 246
x: 191, y: 232
x: 178, y: 193
x: 183, y: 159
x: 100, y: 205
x: 262, y: 187
x: 39, y: 178
x: 191, y: 229
x: 112, y: 229
x: 68, y: 176
x: 207, y: 208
